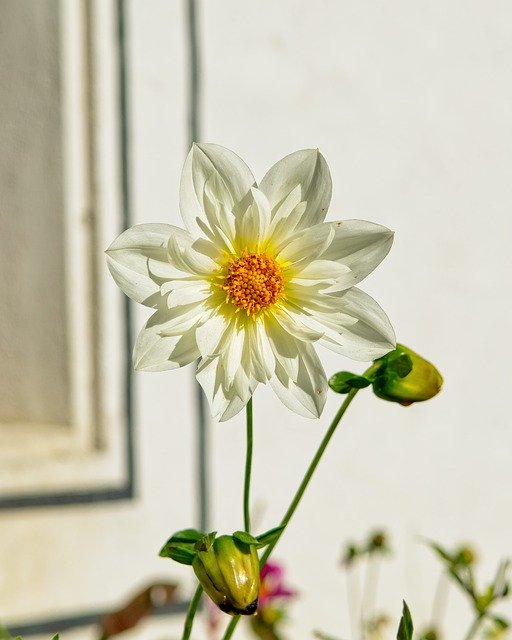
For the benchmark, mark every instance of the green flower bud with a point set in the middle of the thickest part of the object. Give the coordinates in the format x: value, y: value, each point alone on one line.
x: 229, y: 572
x: 405, y: 377
x: 465, y: 556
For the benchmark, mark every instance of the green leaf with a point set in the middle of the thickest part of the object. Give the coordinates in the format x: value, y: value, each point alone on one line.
x: 205, y: 543
x: 181, y: 546
x: 4, y: 634
x: 269, y: 536
x: 245, y: 537
x: 56, y: 637
x: 500, y: 622
x: 406, y: 627
x: 401, y: 365
x: 344, y: 381
x: 184, y: 554
x: 190, y: 536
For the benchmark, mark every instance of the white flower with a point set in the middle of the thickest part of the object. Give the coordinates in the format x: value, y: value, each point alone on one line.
x: 257, y: 278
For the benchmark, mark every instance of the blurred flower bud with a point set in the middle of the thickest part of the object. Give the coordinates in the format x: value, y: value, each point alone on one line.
x: 350, y: 555
x: 378, y: 543
x: 465, y: 556
x: 405, y: 377
x: 229, y: 572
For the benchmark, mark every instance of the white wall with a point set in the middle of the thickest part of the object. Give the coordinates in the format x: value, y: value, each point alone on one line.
x: 410, y: 102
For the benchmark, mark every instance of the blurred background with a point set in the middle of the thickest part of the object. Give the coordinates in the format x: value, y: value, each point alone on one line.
x: 411, y: 104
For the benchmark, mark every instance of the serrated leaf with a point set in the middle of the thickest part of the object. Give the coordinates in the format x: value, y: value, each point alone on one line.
x: 245, y: 537
x: 269, y: 536
x: 406, y: 628
x: 344, y: 381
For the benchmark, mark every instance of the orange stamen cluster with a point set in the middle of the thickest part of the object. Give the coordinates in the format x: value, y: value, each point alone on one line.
x: 254, y: 281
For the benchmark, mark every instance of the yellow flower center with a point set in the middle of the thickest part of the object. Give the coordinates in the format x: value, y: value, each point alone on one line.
x: 254, y: 281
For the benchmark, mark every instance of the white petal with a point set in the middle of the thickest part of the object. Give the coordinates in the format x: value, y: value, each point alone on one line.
x: 224, y: 403
x: 361, y: 332
x: 307, y: 245
x: 333, y: 275
x: 218, y: 205
x: 252, y: 227
x: 230, y: 171
x: 179, y: 296
x: 308, y: 169
x: 360, y: 245
x: 284, y: 347
x: 262, y: 351
x: 229, y: 339
x: 284, y: 210
x: 178, y: 320
x: 292, y: 324
x: 154, y: 351
x: 306, y: 395
x: 128, y: 259
x: 212, y: 333
x: 312, y: 297
x: 232, y: 355
x: 183, y: 254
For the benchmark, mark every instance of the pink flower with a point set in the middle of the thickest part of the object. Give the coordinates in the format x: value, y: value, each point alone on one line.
x: 272, y: 585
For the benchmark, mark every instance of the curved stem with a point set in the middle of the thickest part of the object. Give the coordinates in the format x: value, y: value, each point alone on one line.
x: 230, y: 628
x: 248, y: 467
x: 302, y: 488
x: 474, y: 627
x: 189, y: 620
x: 309, y: 473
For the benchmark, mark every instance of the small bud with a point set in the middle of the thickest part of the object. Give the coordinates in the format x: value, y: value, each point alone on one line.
x: 378, y: 543
x: 351, y: 553
x: 229, y: 572
x: 465, y: 556
x: 405, y: 377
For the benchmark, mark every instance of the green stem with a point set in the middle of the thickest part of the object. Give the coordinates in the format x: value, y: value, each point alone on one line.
x: 474, y: 627
x: 309, y: 473
x: 302, y: 488
x: 189, y: 620
x: 248, y: 467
